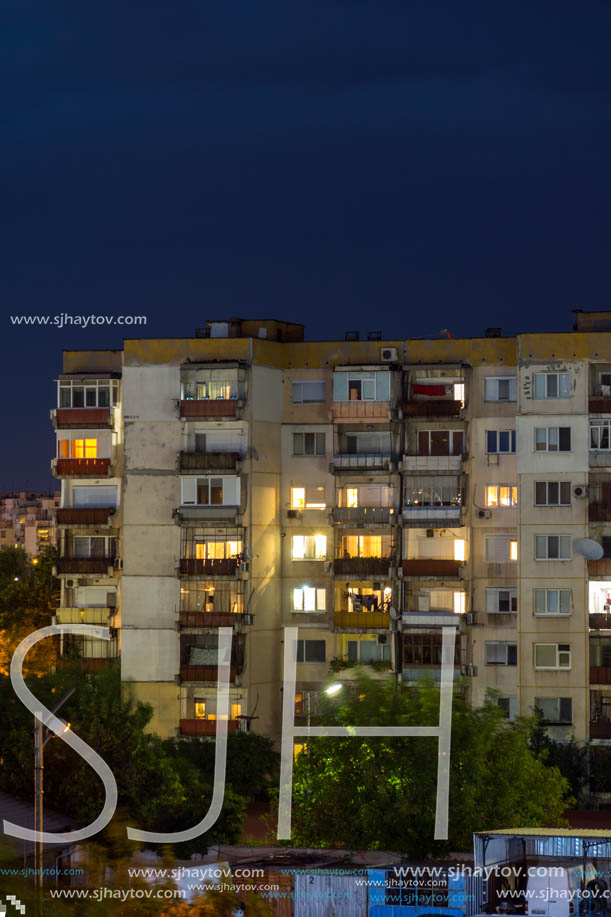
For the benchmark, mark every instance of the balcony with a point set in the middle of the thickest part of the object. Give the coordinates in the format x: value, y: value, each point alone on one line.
x: 432, y: 567
x: 599, y: 404
x: 97, y: 467
x: 204, y: 673
x: 88, y: 418
x: 206, y: 512
x: 209, y: 461
x: 430, y: 619
x: 599, y: 621
x: 226, y: 566
x: 365, y: 515
x: 353, y: 622
x: 600, y: 567
x: 202, y: 727
x: 432, y: 516
x: 103, y: 566
x: 599, y: 512
x: 213, y: 619
x: 209, y: 408
x: 600, y: 730
x: 362, y: 462
x: 415, y: 673
x: 96, y: 615
x: 371, y: 411
x: 362, y: 567
x: 85, y: 515
x: 431, y: 408
x: 600, y: 675
x: 435, y: 464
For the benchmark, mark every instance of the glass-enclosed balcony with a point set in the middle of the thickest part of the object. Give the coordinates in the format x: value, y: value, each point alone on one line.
x: 212, y: 393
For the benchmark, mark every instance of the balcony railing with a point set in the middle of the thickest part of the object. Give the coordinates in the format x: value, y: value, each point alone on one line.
x: 209, y: 461
x: 430, y: 619
x: 599, y: 621
x: 85, y: 515
x: 197, y: 727
x: 372, y: 411
x: 89, y: 418
x: 599, y: 512
x: 433, y: 463
x: 95, y: 615
x: 368, y: 515
x: 600, y: 675
x: 226, y: 566
x: 204, y: 673
x: 362, y: 462
x: 97, y: 467
x: 363, y: 567
x: 432, y: 516
x: 360, y: 620
x: 441, y: 408
x: 600, y: 567
x: 418, y: 672
x: 451, y: 569
x: 99, y: 565
x: 207, y: 512
x: 217, y: 407
x: 600, y: 730
x: 212, y: 619
x: 599, y: 405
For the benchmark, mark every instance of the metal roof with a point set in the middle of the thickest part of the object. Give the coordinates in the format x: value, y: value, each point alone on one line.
x: 549, y: 832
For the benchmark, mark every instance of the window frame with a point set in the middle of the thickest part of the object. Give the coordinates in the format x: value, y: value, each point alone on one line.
x: 309, y: 542
x: 513, y: 496
x: 552, y: 614
x: 561, y: 391
x: 511, y: 649
x: 566, y: 648
x: 497, y: 435
x: 559, y: 720
x: 561, y: 557
x: 302, y: 649
x: 559, y: 485
x: 304, y: 382
x: 512, y: 598
x: 319, y: 593
x: 547, y: 431
x: 316, y: 442
x: 496, y: 380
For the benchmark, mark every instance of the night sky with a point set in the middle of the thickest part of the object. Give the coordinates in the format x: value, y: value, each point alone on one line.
x: 407, y: 166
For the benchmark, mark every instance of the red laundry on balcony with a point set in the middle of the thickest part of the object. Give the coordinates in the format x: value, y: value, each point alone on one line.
x: 433, y: 391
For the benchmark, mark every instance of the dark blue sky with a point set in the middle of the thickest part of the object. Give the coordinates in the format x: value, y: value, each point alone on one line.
x: 409, y: 166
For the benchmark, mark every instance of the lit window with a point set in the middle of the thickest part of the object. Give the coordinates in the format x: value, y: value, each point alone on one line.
x: 297, y: 497
x: 352, y: 497
x: 501, y: 495
x: 513, y: 549
x: 309, y: 547
x: 91, y: 448
x: 459, y: 392
x: 320, y: 546
x: 459, y: 603
x: 308, y: 598
x: 459, y: 549
x: 200, y: 710
x: 299, y: 703
x: 235, y: 711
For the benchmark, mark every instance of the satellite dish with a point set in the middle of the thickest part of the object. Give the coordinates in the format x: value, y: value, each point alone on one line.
x: 394, y: 614
x: 590, y: 549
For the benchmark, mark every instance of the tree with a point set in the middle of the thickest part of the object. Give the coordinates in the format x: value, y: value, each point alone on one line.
x: 571, y: 759
x: 381, y: 793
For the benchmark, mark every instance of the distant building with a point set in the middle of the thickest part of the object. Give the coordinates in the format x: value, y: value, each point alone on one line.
x: 27, y: 520
x: 370, y: 492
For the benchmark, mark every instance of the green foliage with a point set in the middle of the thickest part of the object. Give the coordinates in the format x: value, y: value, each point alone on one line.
x: 381, y: 793
x: 571, y: 759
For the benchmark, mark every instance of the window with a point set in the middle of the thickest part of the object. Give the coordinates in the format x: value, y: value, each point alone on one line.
x: 498, y: 653
x: 508, y: 705
x: 424, y: 649
x: 552, y: 655
x: 555, y: 709
x: 95, y: 495
x: 552, y: 547
x: 501, y: 548
x: 365, y: 599
x: 311, y: 651
x: 309, y: 444
x: 309, y: 598
x: 95, y: 393
x: 440, y: 442
x: 366, y: 651
x: 94, y: 546
x: 199, y: 707
x: 552, y: 602
x: 355, y: 495
x: 211, y: 544
x: 500, y: 441
x: 309, y: 392
x: 459, y: 549
x: 211, y: 491
x: 600, y: 434
x: 368, y: 443
x: 552, y: 493
x: 208, y: 595
x: 365, y: 546
x: 361, y: 386
x: 77, y: 448
x: 432, y: 490
x: 501, y: 388
x: 501, y: 495
x: 309, y: 547
x: 552, y: 385
x: 211, y: 385
x: 501, y: 601
x: 552, y: 439
x: 308, y: 497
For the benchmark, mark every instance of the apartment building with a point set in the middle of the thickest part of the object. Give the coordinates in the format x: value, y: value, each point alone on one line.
x: 27, y: 520
x: 369, y: 492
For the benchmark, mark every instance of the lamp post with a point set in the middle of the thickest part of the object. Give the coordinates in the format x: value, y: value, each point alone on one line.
x: 331, y: 690
x: 40, y: 740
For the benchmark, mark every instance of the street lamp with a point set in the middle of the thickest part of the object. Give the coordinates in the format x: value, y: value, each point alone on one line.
x: 40, y: 740
x: 331, y: 690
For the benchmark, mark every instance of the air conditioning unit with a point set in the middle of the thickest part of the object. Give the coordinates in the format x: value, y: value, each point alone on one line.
x: 292, y: 513
x: 470, y: 671
x: 471, y: 617
x: 382, y: 638
x: 484, y: 514
x: 69, y: 583
x: 580, y: 490
x: 388, y: 354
